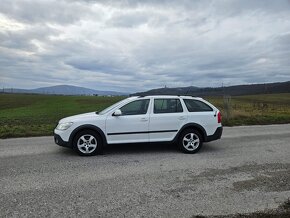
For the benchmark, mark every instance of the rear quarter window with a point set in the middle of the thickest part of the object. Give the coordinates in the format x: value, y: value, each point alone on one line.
x: 196, y: 106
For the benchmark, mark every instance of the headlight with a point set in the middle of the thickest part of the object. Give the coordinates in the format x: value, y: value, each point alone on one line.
x: 64, y: 126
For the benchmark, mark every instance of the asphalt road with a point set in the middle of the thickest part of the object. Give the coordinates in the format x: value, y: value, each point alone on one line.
x: 247, y: 170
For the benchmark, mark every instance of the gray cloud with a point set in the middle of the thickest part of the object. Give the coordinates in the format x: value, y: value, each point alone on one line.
x: 45, y: 11
x: 136, y: 45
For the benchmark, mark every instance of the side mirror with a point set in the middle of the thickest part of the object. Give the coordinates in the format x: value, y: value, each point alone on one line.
x: 117, y: 113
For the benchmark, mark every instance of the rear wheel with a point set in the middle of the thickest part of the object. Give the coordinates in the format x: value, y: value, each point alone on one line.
x: 87, y: 143
x: 190, y: 141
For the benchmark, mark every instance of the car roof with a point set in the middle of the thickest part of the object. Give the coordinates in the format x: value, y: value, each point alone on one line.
x: 169, y: 96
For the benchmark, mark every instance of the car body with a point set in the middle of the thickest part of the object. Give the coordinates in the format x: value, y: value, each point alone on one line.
x: 143, y: 119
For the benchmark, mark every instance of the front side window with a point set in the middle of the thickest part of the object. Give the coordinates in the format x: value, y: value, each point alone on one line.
x: 135, y: 107
x: 196, y: 106
x: 106, y: 110
x: 167, y: 106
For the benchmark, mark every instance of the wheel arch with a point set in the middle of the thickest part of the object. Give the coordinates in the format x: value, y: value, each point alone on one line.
x: 87, y: 127
x: 195, y: 126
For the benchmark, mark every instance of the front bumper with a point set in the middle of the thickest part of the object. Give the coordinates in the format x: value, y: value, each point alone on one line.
x: 217, y: 135
x: 58, y: 140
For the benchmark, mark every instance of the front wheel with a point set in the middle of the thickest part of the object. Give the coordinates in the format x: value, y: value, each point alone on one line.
x: 190, y: 141
x: 87, y: 143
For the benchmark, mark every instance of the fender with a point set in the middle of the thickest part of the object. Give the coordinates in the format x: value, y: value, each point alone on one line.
x: 195, y: 126
x: 87, y: 126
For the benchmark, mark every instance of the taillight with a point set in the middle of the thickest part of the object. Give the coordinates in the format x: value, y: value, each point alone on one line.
x: 219, y: 117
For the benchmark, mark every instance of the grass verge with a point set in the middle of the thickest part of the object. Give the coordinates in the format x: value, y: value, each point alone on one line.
x: 23, y: 115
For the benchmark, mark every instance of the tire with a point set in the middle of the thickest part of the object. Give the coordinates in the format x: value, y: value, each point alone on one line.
x: 88, y: 143
x: 190, y: 141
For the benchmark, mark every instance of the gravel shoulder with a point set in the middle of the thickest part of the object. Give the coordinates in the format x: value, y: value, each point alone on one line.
x: 247, y: 171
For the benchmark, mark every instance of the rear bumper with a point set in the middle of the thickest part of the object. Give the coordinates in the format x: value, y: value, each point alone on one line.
x: 217, y: 135
x: 58, y: 140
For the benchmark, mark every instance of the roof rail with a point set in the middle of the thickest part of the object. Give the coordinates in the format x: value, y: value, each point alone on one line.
x: 179, y: 95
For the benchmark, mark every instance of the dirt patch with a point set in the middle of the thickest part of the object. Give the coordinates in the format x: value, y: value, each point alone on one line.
x: 283, y: 211
x: 253, y: 169
x: 267, y: 177
x: 269, y: 181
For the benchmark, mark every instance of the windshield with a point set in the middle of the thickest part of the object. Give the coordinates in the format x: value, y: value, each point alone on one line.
x: 106, y: 110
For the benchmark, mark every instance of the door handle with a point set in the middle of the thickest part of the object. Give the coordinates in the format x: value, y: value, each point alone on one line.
x: 181, y: 118
x: 144, y: 119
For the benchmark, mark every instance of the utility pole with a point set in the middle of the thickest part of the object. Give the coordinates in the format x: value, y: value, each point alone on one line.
x: 266, y: 88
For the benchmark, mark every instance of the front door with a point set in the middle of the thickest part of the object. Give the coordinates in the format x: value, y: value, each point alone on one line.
x: 131, y: 126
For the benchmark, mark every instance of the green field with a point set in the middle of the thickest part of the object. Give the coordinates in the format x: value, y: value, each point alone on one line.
x: 36, y: 115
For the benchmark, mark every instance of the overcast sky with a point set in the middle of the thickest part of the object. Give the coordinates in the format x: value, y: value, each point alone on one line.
x: 136, y: 45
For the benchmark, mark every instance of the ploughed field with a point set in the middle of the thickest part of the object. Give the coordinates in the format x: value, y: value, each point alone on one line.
x: 36, y: 115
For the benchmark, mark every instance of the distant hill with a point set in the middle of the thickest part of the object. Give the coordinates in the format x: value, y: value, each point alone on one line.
x: 64, y: 90
x: 267, y: 88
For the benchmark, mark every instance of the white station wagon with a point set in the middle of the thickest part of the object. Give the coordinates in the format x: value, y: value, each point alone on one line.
x: 185, y: 120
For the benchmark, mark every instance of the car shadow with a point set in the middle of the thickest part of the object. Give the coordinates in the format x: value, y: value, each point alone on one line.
x: 143, y: 148
x: 66, y: 151
x: 137, y: 148
x: 210, y: 147
x: 153, y: 148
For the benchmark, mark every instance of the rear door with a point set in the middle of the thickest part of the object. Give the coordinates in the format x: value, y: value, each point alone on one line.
x: 166, y: 118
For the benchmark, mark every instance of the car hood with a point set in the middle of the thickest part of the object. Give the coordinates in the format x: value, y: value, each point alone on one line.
x: 80, y: 117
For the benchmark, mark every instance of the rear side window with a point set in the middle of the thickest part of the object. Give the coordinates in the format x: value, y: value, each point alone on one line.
x: 196, y: 106
x: 167, y: 106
